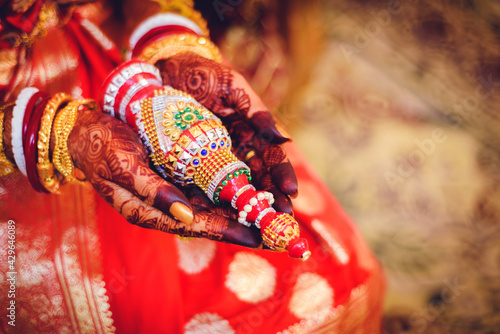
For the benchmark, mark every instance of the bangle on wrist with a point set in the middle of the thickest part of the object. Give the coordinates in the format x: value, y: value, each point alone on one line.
x: 22, y: 101
x: 30, y: 144
x: 188, y: 18
x: 157, y: 34
x: 177, y: 44
x: 63, y: 124
x: 6, y: 166
x: 45, y: 168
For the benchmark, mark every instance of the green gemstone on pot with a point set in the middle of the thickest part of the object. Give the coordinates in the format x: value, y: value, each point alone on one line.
x: 224, y: 182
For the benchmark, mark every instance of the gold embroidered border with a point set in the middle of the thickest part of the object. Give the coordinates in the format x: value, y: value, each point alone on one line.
x: 78, y: 261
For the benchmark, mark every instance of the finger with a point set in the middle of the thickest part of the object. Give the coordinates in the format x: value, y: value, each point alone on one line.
x: 280, y: 168
x: 267, y: 129
x: 282, y: 202
x: 205, y: 224
x: 284, y: 177
x: 126, y: 166
x: 216, y: 227
x: 200, y: 201
x: 257, y: 151
x: 155, y: 191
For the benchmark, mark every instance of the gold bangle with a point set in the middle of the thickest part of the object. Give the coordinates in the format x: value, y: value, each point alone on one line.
x: 177, y: 44
x: 184, y: 8
x: 6, y: 167
x: 63, y: 125
x: 45, y: 168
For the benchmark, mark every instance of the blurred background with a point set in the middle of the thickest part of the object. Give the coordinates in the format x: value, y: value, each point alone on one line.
x: 395, y: 104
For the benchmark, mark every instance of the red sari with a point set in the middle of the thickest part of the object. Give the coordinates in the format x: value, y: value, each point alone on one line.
x: 82, y: 268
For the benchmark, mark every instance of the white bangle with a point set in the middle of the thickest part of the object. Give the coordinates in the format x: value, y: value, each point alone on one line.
x: 158, y: 20
x: 17, y: 126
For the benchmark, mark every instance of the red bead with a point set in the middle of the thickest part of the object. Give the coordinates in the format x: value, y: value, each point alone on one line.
x: 232, y: 187
x: 298, y: 249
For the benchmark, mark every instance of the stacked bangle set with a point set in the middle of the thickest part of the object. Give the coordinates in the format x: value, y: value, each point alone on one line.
x: 38, y: 117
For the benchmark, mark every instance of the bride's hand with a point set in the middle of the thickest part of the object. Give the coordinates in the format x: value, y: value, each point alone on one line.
x: 116, y: 163
x: 256, y: 138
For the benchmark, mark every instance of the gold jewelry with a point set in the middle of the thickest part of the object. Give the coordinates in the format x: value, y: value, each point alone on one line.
x: 6, y: 167
x: 181, y: 43
x: 184, y: 8
x: 150, y: 129
x: 63, y: 124
x: 211, y: 166
x: 45, y: 168
x: 282, y: 229
x: 45, y: 19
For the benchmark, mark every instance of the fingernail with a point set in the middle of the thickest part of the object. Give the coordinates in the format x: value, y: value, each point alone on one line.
x: 263, y: 122
x: 282, y: 131
x: 182, y: 212
x: 249, y: 155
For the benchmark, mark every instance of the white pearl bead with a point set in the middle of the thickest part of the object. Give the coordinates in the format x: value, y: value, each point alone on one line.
x: 247, y: 224
x: 260, y: 196
x: 242, y: 220
x: 266, y: 195
x: 253, y: 201
x: 247, y: 208
x: 271, y: 201
x: 243, y: 214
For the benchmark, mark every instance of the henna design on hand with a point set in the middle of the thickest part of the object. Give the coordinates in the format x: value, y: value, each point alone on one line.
x: 206, y: 225
x: 229, y: 96
x: 202, y: 78
x: 106, y: 149
x: 116, y: 163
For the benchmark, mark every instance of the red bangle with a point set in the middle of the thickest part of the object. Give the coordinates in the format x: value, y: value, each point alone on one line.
x: 129, y: 81
x: 30, y: 144
x: 30, y: 107
x: 158, y: 33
